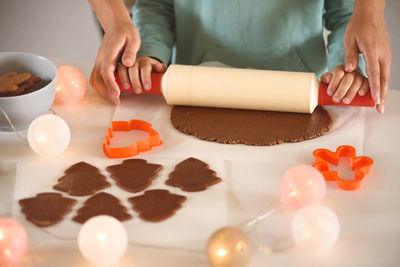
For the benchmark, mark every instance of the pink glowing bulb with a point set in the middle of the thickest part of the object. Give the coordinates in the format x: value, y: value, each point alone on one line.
x: 302, y: 185
x: 70, y: 85
x: 13, y: 241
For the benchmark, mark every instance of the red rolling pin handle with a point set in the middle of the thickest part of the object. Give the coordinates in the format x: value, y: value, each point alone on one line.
x: 361, y: 101
x: 155, y: 85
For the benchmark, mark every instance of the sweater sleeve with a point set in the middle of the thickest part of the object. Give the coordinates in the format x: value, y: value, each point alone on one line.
x: 337, y: 15
x: 156, y: 23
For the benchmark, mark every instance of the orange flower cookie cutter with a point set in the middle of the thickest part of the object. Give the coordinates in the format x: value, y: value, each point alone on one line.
x: 360, y: 165
x: 132, y: 150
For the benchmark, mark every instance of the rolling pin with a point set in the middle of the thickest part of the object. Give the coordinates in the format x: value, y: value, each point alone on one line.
x: 243, y: 89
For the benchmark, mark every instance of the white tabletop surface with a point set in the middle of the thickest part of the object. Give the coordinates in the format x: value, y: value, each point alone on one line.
x: 369, y: 217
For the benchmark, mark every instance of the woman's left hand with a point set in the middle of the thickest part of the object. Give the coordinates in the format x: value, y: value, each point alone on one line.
x: 366, y: 33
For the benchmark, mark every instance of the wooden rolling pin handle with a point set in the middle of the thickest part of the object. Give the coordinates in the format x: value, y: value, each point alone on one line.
x: 360, y: 101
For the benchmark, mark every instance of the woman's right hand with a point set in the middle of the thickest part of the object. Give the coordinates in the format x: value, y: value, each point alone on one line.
x: 122, y: 40
x: 139, y: 75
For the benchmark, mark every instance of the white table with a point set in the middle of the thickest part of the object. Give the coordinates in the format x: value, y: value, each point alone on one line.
x: 369, y: 217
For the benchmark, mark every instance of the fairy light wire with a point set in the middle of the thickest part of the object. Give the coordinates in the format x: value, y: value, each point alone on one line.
x: 130, y: 243
x: 13, y: 127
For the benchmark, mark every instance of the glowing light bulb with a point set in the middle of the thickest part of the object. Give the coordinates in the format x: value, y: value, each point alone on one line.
x: 229, y: 246
x: 315, y: 227
x: 101, y: 237
x: 48, y: 135
x: 302, y: 185
x: 13, y: 241
x: 102, y: 240
x: 70, y: 85
x: 221, y: 252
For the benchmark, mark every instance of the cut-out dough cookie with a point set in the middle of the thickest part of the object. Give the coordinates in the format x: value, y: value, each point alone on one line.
x: 46, y: 208
x: 250, y: 127
x: 81, y: 179
x: 102, y: 204
x: 134, y: 175
x: 192, y: 175
x: 156, y: 205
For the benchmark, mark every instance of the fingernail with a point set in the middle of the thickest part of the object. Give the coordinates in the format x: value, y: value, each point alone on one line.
x: 378, y: 101
x: 126, y: 85
x: 330, y: 93
x: 346, y: 100
x: 383, y: 109
x: 361, y: 93
x: 348, y: 66
x: 147, y: 87
x: 138, y: 90
x: 128, y: 61
x: 328, y: 77
x: 335, y: 99
x: 115, y: 100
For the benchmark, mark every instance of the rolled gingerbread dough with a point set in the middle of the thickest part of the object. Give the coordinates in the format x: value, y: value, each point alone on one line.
x: 250, y: 127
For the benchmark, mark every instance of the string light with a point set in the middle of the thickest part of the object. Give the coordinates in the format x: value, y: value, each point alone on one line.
x: 70, y: 85
x: 13, y: 242
x: 229, y: 246
x: 102, y: 240
x: 48, y: 135
x: 302, y: 185
x: 315, y: 227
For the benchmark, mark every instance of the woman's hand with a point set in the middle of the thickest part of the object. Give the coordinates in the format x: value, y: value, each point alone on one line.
x: 121, y: 40
x: 366, y: 33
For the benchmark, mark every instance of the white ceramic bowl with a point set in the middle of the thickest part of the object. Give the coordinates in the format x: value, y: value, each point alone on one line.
x: 23, y: 109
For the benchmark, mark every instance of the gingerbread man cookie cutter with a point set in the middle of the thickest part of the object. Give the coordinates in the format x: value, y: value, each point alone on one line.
x: 360, y: 165
x: 132, y: 150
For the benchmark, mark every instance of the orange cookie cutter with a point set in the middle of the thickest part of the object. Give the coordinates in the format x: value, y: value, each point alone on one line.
x: 360, y: 165
x: 136, y: 148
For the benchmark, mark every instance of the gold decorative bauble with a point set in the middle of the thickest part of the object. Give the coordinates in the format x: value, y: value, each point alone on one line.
x: 229, y: 247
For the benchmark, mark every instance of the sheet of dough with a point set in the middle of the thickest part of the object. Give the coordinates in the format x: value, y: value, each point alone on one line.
x: 240, y: 88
